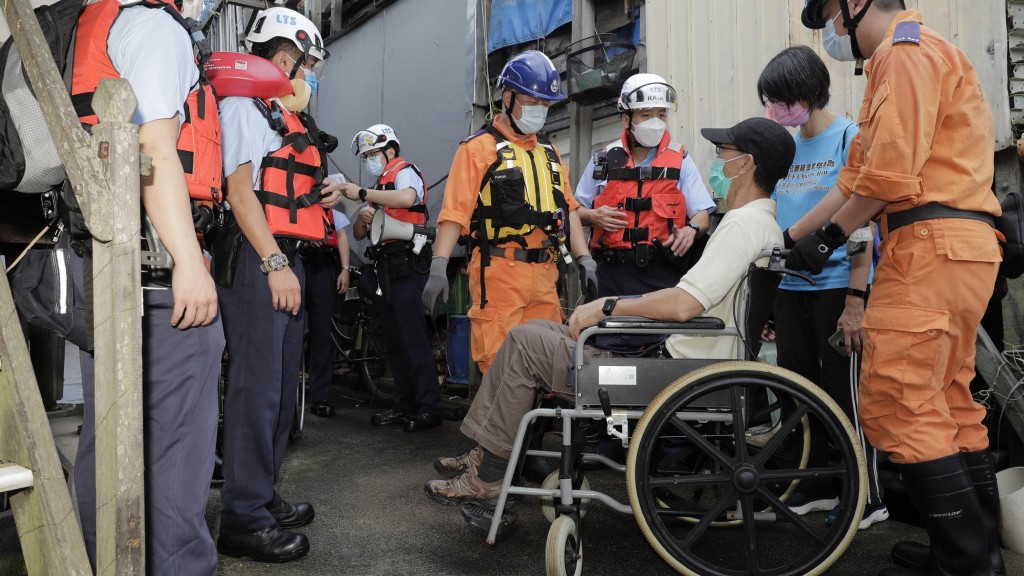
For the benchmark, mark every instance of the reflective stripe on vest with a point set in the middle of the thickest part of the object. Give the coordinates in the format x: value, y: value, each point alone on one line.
x: 539, y: 179
x: 199, y: 141
x: 416, y: 214
x: 287, y: 177
x: 651, y: 199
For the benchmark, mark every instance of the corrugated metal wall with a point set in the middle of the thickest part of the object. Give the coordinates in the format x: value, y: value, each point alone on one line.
x: 712, y: 52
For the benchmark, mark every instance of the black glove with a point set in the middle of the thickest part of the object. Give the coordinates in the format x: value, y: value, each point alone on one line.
x: 811, y: 253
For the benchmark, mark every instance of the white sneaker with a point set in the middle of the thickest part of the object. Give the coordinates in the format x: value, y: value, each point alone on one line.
x: 873, y: 514
x: 801, y: 503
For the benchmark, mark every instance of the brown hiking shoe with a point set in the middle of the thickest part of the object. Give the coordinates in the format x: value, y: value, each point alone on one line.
x: 454, y: 466
x: 465, y: 488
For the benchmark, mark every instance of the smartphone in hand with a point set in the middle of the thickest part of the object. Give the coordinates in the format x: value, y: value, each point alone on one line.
x: 838, y: 343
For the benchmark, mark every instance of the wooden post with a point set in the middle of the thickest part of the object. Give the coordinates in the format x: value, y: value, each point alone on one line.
x: 117, y: 313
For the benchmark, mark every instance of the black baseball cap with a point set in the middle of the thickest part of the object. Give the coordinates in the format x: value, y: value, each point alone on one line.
x: 811, y: 16
x: 766, y: 140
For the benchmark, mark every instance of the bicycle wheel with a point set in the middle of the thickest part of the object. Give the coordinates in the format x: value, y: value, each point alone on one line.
x: 373, y: 361
x: 726, y: 442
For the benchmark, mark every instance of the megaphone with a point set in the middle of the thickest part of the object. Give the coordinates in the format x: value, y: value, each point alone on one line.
x: 385, y: 227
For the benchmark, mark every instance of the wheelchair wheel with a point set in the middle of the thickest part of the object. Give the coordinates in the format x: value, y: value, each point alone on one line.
x: 547, y: 503
x: 299, y: 421
x: 563, y: 555
x: 727, y: 443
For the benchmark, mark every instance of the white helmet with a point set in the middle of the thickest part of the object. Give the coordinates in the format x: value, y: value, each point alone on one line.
x: 373, y: 138
x: 285, y: 23
x: 643, y: 91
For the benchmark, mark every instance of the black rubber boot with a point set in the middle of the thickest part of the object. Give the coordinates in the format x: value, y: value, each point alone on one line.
x: 982, y: 470
x: 951, y: 513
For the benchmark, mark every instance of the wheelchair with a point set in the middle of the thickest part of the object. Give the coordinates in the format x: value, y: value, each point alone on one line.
x: 719, y: 447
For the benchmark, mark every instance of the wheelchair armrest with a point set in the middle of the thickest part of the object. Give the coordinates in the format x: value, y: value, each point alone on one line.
x: 698, y: 323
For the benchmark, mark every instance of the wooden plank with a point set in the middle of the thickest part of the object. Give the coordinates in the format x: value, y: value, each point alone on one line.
x: 51, y: 539
x: 117, y: 313
x: 1002, y: 378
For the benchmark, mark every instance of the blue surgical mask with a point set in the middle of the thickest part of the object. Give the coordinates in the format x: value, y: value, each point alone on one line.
x: 375, y: 164
x: 311, y: 79
x: 720, y: 183
x: 838, y: 47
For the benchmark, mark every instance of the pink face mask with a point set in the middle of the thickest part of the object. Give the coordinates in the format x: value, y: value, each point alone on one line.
x: 795, y: 115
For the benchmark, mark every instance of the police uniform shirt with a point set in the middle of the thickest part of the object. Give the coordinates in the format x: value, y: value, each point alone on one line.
x: 408, y: 178
x: 246, y: 136
x: 161, y: 94
x: 690, y: 184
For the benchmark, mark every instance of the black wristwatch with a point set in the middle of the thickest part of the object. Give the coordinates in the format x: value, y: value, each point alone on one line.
x: 862, y: 294
x: 694, y: 226
x: 362, y: 194
x: 609, y: 306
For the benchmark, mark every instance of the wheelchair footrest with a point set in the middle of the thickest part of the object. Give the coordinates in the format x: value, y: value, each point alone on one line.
x: 480, y: 517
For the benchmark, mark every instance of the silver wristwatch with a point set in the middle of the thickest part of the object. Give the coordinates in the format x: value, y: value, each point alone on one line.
x: 274, y: 262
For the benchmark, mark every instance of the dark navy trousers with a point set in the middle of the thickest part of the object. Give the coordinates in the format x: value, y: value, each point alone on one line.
x: 407, y: 341
x: 321, y: 283
x: 179, y: 378
x: 264, y: 347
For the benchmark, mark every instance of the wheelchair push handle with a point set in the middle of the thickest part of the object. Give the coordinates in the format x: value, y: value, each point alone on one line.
x: 775, y: 258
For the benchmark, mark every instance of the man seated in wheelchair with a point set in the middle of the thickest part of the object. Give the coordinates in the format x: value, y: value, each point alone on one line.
x: 751, y: 157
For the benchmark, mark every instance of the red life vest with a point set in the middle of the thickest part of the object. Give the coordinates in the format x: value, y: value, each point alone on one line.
x: 649, y: 196
x: 415, y: 214
x: 290, y: 178
x: 199, y: 145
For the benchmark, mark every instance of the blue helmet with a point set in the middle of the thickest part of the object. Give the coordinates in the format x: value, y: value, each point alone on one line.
x: 811, y: 15
x: 533, y: 74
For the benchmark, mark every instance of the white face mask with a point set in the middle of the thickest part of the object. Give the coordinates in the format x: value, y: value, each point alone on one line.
x: 649, y: 132
x: 838, y: 47
x: 532, y: 118
x: 374, y: 164
x: 192, y: 9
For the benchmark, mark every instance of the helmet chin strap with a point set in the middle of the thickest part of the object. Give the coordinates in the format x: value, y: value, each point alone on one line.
x: 508, y: 113
x: 851, y: 23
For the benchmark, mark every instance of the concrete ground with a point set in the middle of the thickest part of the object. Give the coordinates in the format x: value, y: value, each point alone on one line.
x: 373, y: 519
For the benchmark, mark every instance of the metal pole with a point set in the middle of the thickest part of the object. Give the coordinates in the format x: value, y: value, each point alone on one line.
x: 580, y: 118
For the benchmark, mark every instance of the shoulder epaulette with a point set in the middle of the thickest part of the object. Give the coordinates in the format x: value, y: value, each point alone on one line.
x: 907, y: 32
x: 474, y: 135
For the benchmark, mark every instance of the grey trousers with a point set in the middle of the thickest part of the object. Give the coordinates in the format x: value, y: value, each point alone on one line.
x: 180, y: 371
x: 534, y: 356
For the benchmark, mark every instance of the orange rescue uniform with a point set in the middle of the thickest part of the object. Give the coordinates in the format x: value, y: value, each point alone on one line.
x: 926, y: 135
x: 517, y: 292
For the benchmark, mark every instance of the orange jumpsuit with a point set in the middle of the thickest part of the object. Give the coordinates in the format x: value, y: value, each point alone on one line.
x: 926, y: 135
x: 517, y: 292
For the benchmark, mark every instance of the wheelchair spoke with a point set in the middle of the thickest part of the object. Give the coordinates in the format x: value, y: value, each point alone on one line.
x: 799, y: 521
x: 714, y: 512
x: 694, y: 480
x: 701, y: 442
x: 801, y: 474
x: 777, y: 439
x: 750, y: 528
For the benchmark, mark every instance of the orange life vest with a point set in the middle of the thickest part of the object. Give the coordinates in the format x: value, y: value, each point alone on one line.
x: 415, y: 214
x: 332, y: 231
x: 199, y: 144
x: 290, y: 178
x: 649, y: 195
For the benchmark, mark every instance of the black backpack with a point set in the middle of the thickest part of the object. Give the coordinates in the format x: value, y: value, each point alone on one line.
x: 28, y: 157
x: 1011, y: 224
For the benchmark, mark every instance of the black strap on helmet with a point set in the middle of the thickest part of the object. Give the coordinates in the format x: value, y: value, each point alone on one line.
x: 851, y: 23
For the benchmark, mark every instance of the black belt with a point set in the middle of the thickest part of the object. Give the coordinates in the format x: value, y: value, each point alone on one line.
x: 529, y: 255
x: 934, y: 210
x: 641, y: 256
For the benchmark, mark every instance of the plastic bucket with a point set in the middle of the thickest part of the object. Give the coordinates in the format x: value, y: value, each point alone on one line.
x: 1011, y: 500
